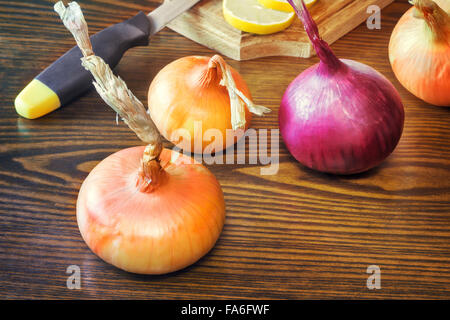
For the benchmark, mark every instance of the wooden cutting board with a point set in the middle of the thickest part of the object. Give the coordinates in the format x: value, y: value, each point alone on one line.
x: 205, y: 24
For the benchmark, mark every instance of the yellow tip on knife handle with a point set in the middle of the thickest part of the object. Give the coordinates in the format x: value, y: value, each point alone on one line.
x: 36, y: 100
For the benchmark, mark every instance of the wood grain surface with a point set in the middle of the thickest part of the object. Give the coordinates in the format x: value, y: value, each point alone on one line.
x: 298, y: 234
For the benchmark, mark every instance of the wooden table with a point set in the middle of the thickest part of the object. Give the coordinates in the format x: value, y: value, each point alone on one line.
x: 298, y: 234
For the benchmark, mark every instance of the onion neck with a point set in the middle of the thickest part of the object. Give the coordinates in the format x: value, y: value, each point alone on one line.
x: 327, y: 58
x: 213, y: 73
x: 219, y: 70
x: 151, y: 175
x: 437, y: 20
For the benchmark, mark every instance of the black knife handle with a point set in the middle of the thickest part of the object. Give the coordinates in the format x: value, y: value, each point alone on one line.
x: 67, y: 78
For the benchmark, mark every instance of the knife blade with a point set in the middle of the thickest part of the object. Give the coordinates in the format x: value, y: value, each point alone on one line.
x: 166, y: 12
x: 65, y: 79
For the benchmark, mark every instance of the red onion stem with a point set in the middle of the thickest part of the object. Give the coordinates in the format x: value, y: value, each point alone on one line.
x: 323, y: 50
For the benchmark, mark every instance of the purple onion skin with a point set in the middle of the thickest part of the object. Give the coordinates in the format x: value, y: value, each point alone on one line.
x: 344, y: 120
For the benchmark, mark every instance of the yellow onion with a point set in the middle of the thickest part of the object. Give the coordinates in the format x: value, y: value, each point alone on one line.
x: 202, y: 90
x: 150, y: 232
x: 419, y: 51
x: 148, y: 209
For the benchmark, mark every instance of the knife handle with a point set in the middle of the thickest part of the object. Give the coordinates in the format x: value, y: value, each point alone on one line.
x: 66, y: 79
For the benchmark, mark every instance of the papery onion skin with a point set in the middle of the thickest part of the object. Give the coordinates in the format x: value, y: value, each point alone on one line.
x: 420, y: 65
x: 183, y: 93
x: 345, y: 122
x: 150, y: 233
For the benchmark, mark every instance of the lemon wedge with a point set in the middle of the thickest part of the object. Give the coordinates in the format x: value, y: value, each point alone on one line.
x: 251, y: 16
x: 282, y: 5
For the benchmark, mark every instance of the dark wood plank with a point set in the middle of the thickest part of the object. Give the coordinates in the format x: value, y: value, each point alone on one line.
x: 297, y: 234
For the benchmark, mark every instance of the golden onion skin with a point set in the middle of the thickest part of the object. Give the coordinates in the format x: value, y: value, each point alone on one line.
x: 421, y: 64
x: 159, y: 232
x: 186, y: 91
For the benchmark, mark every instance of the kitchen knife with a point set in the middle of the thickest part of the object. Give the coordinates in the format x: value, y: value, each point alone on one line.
x: 65, y: 79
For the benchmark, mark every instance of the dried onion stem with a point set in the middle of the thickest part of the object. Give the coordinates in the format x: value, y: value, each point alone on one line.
x: 237, y: 105
x: 116, y: 94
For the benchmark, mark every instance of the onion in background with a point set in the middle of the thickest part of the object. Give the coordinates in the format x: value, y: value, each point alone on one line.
x: 419, y: 51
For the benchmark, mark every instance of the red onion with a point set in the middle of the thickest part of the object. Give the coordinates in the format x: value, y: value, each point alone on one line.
x: 339, y: 116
